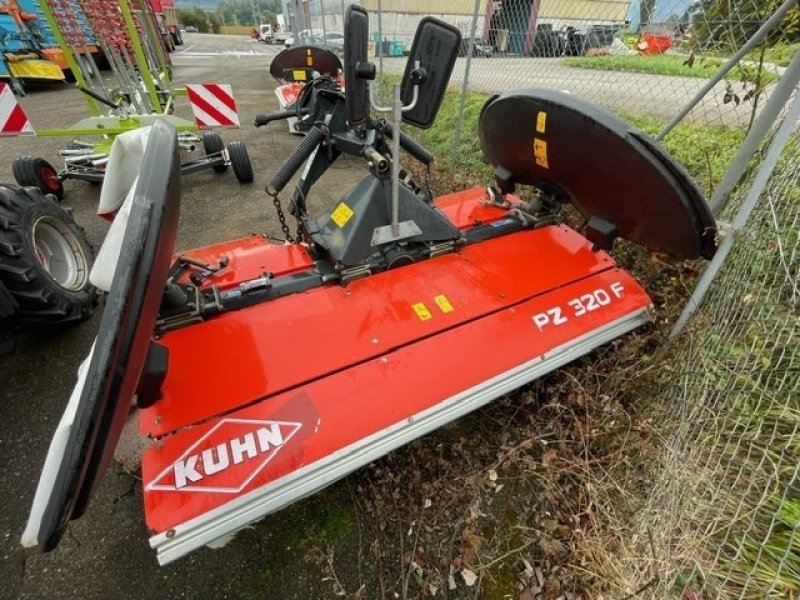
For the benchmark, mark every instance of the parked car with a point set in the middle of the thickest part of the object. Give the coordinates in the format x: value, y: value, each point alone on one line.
x: 480, y: 48
x: 308, y: 37
x: 334, y: 40
x: 191, y: 29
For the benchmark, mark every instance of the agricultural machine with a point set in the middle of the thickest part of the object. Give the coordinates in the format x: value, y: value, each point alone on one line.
x: 380, y: 319
x: 136, y: 93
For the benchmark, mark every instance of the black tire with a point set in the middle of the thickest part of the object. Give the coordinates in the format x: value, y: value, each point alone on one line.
x: 212, y: 144
x: 240, y: 161
x: 45, y: 258
x: 35, y: 171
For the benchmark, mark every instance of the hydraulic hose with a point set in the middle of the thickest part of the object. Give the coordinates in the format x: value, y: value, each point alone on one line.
x: 411, y: 146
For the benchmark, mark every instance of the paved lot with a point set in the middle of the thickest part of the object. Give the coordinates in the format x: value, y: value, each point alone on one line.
x: 106, y: 555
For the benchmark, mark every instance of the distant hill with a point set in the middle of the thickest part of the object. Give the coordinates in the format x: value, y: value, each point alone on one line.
x: 204, y: 4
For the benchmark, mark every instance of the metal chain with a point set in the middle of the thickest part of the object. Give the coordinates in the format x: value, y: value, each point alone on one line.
x: 282, y: 220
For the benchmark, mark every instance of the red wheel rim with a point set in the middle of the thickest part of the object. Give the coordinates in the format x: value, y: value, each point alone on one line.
x: 50, y: 178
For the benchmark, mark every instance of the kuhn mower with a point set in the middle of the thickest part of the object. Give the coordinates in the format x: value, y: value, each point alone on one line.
x: 301, y: 70
x: 391, y: 314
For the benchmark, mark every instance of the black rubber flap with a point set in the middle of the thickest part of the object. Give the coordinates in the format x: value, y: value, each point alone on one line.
x: 323, y: 61
x: 125, y: 331
x: 435, y: 48
x: 356, y: 34
x: 606, y: 168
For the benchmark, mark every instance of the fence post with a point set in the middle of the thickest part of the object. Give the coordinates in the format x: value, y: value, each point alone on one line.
x: 779, y: 142
x: 770, y: 113
x: 464, y: 82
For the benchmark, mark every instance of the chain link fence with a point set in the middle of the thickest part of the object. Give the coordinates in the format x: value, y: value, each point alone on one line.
x: 719, y: 517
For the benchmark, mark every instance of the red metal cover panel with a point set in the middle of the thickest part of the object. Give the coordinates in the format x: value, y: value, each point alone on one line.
x: 204, y: 467
x: 240, y: 357
x: 249, y: 258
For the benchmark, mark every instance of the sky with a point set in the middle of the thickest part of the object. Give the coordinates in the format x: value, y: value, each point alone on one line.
x: 664, y: 8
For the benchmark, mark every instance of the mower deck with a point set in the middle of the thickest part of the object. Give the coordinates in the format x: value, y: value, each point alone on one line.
x: 275, y: 413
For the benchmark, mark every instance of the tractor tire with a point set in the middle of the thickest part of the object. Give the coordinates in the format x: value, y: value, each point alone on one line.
x: 212, y: 144
x: 45, y: 258
x: 35, y: 171
x: 240, y: 161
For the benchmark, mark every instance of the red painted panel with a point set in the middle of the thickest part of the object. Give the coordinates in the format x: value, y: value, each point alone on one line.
x: 217, y: 461
x: 242, y: 356
x: 249, y: 258
x: 469, y: 208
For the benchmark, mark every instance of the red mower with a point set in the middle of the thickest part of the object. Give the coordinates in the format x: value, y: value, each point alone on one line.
x: 263, y: 372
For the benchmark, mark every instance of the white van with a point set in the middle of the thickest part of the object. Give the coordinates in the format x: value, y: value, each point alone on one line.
x: 266, y: 33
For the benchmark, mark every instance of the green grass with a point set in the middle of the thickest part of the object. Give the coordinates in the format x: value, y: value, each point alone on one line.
x: 704, y: 151
x: 661, y: 64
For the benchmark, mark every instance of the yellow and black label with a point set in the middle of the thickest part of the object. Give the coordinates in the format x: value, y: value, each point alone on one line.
x: 443, y: 303
x: 299, y: 74
x: 422, y: 311
x: 342, y: 215
x: 541, y: 122
x: 540, y: 152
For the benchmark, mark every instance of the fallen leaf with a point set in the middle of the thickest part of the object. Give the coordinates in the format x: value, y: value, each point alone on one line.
x: 492, y: 475
x: 469, y: 577
x: 526, y: 594
x: 690, y: 594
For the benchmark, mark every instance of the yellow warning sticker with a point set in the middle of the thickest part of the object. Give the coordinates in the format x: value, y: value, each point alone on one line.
x: 422, y: 311
x: 541, y: 122
x: 342, y: 214
x: 443, y: 303
x: 540, y: 152
x: 299, y: 74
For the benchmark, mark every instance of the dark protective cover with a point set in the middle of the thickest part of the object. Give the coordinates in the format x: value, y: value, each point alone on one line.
x: 126, y: 328
x: 606, y: 168
x: 302, y: 57
x: 356, y: 34
x: 435, y: 47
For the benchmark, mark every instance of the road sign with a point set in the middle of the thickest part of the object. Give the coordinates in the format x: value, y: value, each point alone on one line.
x: 213, y: 105
x: 13, y: 120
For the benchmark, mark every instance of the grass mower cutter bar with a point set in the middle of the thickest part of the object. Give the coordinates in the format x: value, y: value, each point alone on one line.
x: 391, y: 314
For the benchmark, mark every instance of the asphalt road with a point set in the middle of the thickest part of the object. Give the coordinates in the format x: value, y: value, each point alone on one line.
x: 106, y: 554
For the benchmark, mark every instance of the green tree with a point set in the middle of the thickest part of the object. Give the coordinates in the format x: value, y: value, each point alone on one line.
x: 214, y: 23
x: 727, y: 24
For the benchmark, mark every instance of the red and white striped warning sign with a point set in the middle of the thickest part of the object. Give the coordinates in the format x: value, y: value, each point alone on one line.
x: 213, y: 105
x: 13, y: 120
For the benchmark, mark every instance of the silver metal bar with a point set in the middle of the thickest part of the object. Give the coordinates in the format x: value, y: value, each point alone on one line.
x: 396, y: 123
x: 380, y: 39
x: 779, y: 142
x: 761, y: 127
x: 463, y: 101
x: 759, y: 35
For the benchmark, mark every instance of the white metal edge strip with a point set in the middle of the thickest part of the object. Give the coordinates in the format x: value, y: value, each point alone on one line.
x: 254, y: 505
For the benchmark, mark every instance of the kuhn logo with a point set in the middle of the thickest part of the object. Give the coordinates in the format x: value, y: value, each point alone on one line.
x: 226, y: 458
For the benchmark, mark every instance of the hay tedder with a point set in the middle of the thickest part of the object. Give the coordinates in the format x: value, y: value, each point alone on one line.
x: 389, y: 315
x: 136, y: 90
